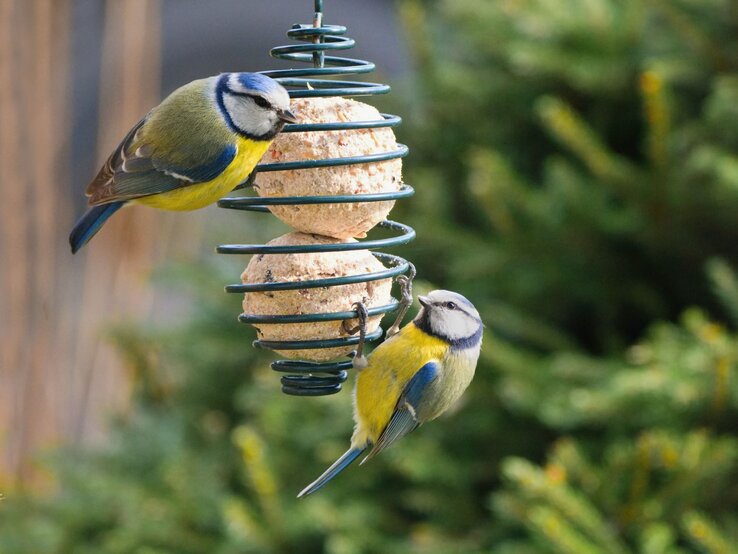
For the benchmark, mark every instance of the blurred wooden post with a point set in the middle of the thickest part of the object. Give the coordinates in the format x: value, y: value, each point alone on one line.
x: 34, y: 45
x: 57, y: 375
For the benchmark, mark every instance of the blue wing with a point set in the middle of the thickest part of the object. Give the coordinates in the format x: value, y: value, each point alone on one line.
x: 132, y: 173
x: 404, y: 419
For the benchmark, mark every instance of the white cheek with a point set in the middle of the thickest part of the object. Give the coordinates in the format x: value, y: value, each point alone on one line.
x: 438, y: 325
x: 463, y: 325
x: 248, y: 117
x: 454, y: 325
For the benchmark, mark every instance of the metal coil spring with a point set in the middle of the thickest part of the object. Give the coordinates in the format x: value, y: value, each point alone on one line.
x: 313, y: 378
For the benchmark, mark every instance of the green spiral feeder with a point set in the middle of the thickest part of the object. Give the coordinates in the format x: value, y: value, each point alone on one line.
x: 305, y: 378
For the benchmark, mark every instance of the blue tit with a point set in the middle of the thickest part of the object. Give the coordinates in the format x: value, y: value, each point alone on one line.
x: 199, y: 144
x: 412, y: 377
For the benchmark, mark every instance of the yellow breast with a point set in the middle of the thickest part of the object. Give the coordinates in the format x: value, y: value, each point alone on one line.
x: 391, y: 366
x: 193, y: 197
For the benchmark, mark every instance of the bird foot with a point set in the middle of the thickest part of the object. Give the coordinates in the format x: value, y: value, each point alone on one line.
x: 406, y: 300
x: 359, y: 361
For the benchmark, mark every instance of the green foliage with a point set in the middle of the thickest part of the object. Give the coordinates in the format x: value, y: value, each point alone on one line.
x: 679, y: 377
x: 638, y: 491
x: 587, y: 146
x: 577, y: 178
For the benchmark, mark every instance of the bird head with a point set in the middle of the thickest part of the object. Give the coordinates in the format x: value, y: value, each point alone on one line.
x: 254, y: 105
x: 450, y: 317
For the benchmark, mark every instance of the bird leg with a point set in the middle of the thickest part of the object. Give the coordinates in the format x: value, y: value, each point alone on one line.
x: 406, y: 300
x: 249, y: 182
x: 359, y: 361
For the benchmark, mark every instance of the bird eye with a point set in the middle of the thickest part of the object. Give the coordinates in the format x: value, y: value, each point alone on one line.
x: 261, y: 102
x: 450, y: 305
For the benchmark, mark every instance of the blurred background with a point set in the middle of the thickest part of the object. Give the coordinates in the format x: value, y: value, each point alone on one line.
x: 577, y: 178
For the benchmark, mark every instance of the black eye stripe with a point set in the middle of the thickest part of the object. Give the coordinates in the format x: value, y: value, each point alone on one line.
x: 258, y: 100
x: 458, y: 309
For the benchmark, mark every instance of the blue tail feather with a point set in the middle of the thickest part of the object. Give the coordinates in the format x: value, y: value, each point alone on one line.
x: 338, y: 466
x: 90, y: 223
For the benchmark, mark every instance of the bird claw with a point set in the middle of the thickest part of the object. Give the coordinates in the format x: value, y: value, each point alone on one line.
x: 359, y: 361
x: 406, y: 290
x: 249, y: 182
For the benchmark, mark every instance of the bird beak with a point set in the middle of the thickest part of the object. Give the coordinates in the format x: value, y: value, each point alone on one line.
x: 286, y: 116
x: 424, y: 301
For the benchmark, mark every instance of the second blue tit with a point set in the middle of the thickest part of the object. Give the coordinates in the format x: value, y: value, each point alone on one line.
x: 199, y: 144
x: 412, y: 377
